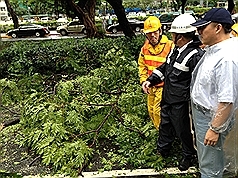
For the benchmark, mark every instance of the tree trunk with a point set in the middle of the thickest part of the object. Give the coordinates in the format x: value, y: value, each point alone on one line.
x: 87, y: 21
x: 86, y: 16
x: 121, y: 16
x: 56, y: 4
x: 231, y: 6
x: 89, y: 7
x: 13, y: 14
x: 183, y: 6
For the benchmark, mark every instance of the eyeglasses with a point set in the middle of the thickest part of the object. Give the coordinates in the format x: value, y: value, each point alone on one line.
x: 200, y: 29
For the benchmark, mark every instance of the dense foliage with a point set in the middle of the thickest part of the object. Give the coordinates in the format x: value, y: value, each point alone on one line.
x: 79, y: 99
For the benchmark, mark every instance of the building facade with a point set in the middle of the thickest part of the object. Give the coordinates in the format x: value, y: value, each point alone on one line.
x: 3, y: 11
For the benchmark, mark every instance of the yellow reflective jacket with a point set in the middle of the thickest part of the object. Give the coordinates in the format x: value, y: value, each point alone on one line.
x: 153, y: 56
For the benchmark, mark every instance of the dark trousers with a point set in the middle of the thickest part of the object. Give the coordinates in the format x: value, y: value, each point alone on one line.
x: 175, y: 121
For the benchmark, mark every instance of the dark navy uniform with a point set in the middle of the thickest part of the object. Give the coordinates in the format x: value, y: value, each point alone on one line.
x: 176, y: 74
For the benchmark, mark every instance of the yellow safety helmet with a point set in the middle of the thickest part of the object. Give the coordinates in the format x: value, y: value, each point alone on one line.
x: 151, y: 24
x: 235, y: 30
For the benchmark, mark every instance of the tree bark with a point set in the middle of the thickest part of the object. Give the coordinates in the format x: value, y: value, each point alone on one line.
x: 183, y: 6
x: 231, y: 6
x: 13, y: 14
x: 121, y: 16
x: 90, y: 7
x: 85, y: 12
x: 9, y: 123
x: 87, y: 21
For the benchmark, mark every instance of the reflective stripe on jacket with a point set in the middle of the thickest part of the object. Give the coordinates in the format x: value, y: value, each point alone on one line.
x: 176, y: 73
x: 151, y: 57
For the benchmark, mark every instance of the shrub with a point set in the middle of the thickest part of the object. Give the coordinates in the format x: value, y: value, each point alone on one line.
x: 76, y: 97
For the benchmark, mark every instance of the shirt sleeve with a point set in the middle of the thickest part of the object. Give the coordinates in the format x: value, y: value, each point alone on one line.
x: 226, y: 75
x: 143, y: 70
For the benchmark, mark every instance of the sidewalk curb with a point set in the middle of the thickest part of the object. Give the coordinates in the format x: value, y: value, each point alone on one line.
x: 124, y: 173
x: 4, y: 36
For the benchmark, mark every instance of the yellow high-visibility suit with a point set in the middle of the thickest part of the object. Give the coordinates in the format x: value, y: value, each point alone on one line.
x: 234, y: 31
x: 151, y: 57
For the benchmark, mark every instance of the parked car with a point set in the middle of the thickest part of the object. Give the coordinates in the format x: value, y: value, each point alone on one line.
x: 235, y: 18
x: 71, y: 27
x: 45, y: 19
x: 131, y: 15
x: 166, y: 20
x: 62, y: 20
x: 28, y: 30
x: 135, y: 25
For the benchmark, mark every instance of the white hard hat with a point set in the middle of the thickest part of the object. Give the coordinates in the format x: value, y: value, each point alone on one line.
x: 181, y: 24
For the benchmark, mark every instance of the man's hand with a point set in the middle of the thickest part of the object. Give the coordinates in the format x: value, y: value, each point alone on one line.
x: 145, y: 87
x: 211, y: 138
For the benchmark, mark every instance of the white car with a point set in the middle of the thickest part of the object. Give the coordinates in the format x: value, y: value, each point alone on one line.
x: 235, y: 17
x: 71, y: 27
x: 62, y: 20
x: 45, y: 19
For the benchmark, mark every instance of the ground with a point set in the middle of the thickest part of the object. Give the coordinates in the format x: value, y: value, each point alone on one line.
x: 14, y: 159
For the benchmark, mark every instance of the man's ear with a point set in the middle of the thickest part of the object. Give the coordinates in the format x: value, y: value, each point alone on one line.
x: 218, y: 27
x: 160, y: 32
x: 179, y: 36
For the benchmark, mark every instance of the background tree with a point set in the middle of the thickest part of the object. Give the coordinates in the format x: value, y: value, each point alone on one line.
x: 41, y: 6
x: 231, y: 6
x: 85, y: 11
x: 12, y: 13
x: 121, y: 16
x: 18, y: 7
x: 183, y: 2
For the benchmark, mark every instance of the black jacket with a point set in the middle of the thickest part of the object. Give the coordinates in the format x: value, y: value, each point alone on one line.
x: 176, y: 73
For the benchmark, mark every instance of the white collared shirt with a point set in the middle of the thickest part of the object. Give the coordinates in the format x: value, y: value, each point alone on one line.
x: 215, y: 78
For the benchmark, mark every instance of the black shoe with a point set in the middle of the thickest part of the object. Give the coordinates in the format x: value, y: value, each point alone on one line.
x: 164, y: 154
x: 185, y: 163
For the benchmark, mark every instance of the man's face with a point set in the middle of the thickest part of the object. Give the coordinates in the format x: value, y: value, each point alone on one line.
x: 154, y: 37
x: 176, y: 38
x: 173, y: 36
x: 208, y: 33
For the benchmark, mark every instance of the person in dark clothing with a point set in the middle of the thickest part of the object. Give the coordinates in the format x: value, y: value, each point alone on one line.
x: 176, y: 75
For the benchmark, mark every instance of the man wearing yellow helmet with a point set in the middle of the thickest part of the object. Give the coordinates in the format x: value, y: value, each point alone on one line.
x: 234, y: 31
x: 153, y: 54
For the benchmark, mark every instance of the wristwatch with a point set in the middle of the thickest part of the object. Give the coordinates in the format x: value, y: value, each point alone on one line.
x: 215, y: 129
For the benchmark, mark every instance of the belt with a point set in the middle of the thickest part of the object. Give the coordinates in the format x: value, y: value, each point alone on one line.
x: 201, y: 108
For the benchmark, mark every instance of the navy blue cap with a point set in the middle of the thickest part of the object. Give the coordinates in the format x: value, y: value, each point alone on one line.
x: 219, y: 15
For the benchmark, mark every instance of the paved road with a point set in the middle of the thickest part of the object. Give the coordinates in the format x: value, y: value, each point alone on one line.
x: 53, y: 35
